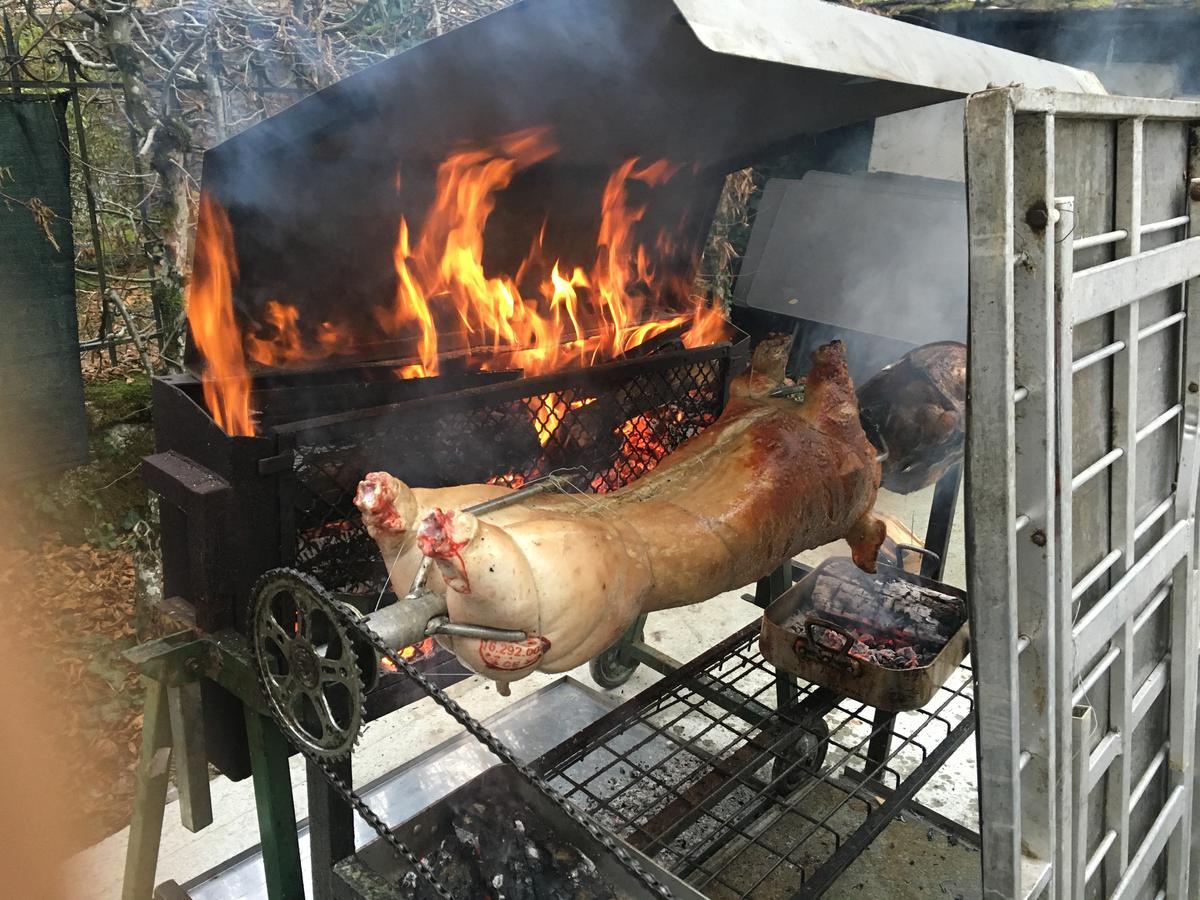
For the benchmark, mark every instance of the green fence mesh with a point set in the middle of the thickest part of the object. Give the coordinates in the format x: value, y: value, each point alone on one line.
x: 42, y: 422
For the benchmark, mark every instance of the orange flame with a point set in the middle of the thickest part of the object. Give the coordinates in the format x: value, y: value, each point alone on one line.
x: 445, y: 302
x: 214, y: 328
x: 549, y: 411
x: 416, y: 651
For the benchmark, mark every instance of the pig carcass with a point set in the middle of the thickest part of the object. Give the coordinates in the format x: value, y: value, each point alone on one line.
x: 771, y: 477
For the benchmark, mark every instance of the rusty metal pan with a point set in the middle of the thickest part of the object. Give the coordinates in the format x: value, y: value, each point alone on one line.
x: 800, y: 653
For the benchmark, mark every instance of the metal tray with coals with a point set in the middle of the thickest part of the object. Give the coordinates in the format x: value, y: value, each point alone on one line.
x: 803, y: 636
x: 497, y: 835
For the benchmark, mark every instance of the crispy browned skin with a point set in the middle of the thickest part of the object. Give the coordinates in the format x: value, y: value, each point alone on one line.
x: 917, y: 408
x: 770, y: 478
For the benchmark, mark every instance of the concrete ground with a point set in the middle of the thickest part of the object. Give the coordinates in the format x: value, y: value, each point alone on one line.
x: 910, y: 859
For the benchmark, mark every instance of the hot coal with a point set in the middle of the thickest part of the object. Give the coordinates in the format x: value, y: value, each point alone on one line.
x: 889, y: 652
x: 498, y: 851
x: 893, y: 623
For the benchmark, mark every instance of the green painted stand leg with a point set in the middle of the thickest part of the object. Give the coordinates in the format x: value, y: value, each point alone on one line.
x: 150, y: 799
x: 276, y: 812
x: 331, y: 831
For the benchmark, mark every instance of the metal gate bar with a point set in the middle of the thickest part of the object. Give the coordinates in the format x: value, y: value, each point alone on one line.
x: 1049, y: 636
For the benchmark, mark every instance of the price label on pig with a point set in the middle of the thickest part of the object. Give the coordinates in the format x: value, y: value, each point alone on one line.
x: 510, y: 655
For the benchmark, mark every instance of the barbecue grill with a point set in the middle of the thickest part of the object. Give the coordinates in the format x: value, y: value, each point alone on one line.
x: 722, y: 748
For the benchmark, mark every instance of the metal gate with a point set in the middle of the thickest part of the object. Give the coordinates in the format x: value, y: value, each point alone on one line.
x: 1081, y: 488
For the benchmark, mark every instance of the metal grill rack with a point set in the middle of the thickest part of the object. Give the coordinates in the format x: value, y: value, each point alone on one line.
x: 747, y: 783
x: 613, y: 427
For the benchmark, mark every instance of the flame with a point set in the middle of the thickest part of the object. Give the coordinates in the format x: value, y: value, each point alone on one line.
x: 211, y: 318
x: 416, y: 651
x: 549, y: 411
x: 540, y: 319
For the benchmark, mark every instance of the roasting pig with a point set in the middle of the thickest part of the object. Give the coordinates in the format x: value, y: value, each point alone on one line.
x: 914, y: 410
x: 772, y: 477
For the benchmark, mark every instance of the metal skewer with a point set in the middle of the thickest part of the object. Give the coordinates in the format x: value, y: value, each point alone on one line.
x: 421, y: 613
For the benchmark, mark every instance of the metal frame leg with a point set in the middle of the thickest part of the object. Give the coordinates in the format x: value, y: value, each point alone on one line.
x: 941, y: 521
x: 150, y: 799
x: 276, y: 811
x: 881, y: 742
x: 331, y: 827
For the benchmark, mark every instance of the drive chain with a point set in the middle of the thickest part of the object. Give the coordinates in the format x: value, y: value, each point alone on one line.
x: 477, y: 730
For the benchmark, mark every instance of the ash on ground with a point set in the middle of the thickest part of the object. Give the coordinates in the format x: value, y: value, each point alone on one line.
x: 498, y: 852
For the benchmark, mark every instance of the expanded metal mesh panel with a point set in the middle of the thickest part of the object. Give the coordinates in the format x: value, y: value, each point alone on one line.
x: 613, y: 430
x: 743, y: 795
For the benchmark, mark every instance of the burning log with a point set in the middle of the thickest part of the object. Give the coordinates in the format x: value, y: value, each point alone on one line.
x: 914, y: 410
x: 886, y: 620
x: 770, y: 478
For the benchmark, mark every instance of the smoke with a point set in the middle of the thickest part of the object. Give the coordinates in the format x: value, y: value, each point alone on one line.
x: 1140, y: 52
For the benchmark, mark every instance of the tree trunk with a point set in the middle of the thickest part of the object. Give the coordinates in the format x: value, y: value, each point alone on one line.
x: 165, y: 138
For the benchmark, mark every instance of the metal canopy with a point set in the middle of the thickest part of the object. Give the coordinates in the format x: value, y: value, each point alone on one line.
x: 714, y: 84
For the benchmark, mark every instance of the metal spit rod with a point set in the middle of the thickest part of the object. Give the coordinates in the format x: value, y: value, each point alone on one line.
x: 420, y: 613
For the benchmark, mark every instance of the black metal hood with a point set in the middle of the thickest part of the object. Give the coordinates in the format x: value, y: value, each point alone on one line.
x: 710, y: 84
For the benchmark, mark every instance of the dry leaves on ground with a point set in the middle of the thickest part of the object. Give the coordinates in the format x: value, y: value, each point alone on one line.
x: 72, y: 610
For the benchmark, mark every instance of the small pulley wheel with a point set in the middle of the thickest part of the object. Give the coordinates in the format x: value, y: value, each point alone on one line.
x: 802, y: 760
x: 609, y: 670
x: 308, y: 666
x: 616, y: 665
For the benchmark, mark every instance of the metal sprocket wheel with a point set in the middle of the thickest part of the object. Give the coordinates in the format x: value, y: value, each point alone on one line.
x: 308, y: 666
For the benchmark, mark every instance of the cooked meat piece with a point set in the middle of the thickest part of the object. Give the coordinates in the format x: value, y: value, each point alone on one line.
x: 915, y: 411
x: 770, y: 478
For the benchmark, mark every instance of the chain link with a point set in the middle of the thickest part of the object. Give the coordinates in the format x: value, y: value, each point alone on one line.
x: 348, y: 794
x: 477, y: 730
x: 489, y: 740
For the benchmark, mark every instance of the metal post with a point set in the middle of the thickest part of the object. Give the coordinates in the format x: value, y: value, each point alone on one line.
x: 1123, y: 504
x: 880, y: 746
x: 1039, y: 623
x: 12, y: 57
x: 990, y: 479
x: 276, y: 811
x: 941, y: 522
x: 1064, y: 274
x: 93, y: 216
x: 1185, y: 630
x: 330, y: 827
x: 191, y: 759
x: 769, y: 588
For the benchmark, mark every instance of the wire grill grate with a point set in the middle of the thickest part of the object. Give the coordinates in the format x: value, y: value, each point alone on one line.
x: 749, y: 786
x: 503, y: 435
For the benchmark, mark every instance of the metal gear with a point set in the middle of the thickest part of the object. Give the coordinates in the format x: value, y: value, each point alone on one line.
x: 308, y: 663
x: 302, y: 589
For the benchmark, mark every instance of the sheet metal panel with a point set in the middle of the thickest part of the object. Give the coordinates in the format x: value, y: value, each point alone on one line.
x: 826, y: 36
x: 310, y: 191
